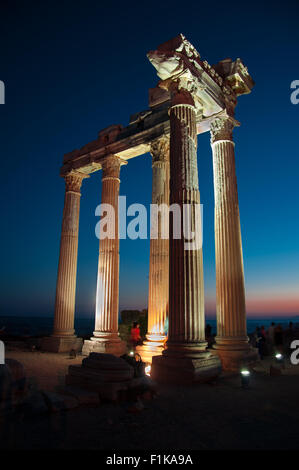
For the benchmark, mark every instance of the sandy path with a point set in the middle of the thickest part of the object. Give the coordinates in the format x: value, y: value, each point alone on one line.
x: 47, y: 369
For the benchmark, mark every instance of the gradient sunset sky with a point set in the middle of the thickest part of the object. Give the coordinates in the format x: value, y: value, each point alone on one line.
x: 73, y: 68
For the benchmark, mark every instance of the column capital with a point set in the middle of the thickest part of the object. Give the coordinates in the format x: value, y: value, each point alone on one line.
x: 111, y: 166
x: 159, y: 149
x: 221, y: 128
x: 73, y: 181
x: 183, y: 90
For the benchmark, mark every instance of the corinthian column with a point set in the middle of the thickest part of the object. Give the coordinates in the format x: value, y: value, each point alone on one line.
x: 159, y: 253
x: 63, y: 338
x: 186, y: 358
x: 105, y: 337
x: 231, y: 341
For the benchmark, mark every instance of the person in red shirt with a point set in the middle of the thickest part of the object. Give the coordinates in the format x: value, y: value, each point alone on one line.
x: 135, y: 334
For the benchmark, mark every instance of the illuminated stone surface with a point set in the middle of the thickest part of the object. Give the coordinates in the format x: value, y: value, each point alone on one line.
x: 105, y: 337
x: 186, y: 358
x: 231, y: 340
x: 63, y: 338
x: 159, y: 256
x: 192, y: 97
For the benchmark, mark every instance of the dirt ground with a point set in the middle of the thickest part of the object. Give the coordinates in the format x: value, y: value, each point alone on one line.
x: 219, y: 416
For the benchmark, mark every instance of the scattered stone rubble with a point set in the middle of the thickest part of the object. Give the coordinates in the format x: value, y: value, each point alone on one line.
x: 101, y: 378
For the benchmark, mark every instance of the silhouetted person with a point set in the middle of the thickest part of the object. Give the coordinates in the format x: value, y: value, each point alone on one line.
x: 208, y: 334
x: 278, y: 338
x: 135, y: 335
x: 208, y: 331
x: 263, y: 341
x: 289, y: 336
x: 259, y: 343
x: 270, y: 336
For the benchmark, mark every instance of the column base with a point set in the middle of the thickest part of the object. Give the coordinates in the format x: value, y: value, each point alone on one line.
x: 233, y: 360
x: 102, y: 373
x: 149, y: 349
x: 117, y: 348
x: 61, y: 344
x: 205, y: 367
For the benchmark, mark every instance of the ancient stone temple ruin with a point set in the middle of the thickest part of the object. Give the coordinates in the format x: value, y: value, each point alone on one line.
x: 191, y: 97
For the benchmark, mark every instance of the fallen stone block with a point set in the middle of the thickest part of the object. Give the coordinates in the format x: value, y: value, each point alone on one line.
x: 107, y: 391
x: 143, y: 383
x: 5, y: 383
x: 103, y: 373
x: 34, y: 404
x: 84, y: 397
x: 56, y: 402
x: 19, y: 380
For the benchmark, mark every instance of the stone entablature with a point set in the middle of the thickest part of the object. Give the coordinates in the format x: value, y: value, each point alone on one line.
x: 214, y: 89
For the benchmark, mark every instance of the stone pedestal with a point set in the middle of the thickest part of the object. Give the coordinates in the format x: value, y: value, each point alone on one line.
x: 105, y: 337
x: 59, y: 344
x: 63, y: 338
x: 150, y: 348
x: 185, y: 359
x: 235, y: 360
x: 231, y: 340
x: 118, y: 347
x: 159, y: 253
x: 185, y: 370
x: 103, y: 373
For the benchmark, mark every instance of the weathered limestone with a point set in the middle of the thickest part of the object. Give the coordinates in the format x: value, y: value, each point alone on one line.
x: 63, y: 338
x: 186, y: 358
x: 231, y: 341
x: 106, y: 338
x: 103, y: 373
x: 197, y: 97
x: 159, y: 255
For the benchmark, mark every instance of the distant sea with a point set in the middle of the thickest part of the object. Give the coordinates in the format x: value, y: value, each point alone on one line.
x: 39, y: 326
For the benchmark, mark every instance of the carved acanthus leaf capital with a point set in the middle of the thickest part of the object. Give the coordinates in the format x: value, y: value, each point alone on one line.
x: 183, y: 89
x: 73, y: 181
x: 222, y: 128
x: 160, y: 149
x: 111, y: 166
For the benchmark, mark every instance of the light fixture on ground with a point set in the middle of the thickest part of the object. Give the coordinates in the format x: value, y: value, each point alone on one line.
x: 279, y: 358
x: 147, y: 370
x: 245, y: 378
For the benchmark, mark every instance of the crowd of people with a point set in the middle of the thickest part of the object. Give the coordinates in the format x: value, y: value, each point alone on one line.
x: 273, y: 340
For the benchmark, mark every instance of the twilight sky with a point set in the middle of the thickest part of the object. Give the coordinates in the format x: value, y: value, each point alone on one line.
x: 73, y: 68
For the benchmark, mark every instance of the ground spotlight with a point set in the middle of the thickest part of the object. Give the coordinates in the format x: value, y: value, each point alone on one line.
x: 245, y: 378
x: 279, y: 358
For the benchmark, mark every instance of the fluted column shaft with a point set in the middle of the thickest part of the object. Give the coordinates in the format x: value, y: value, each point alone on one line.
x: 230, y: 290
x: 67, y: 268
x: 107, y: 296
x: 159, y: 246
x: 186, y: 288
